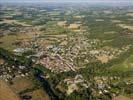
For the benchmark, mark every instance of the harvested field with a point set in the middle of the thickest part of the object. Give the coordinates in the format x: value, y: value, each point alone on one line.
x: 15, y: 22
x: 126, y: 26
x: 39, y: 95
x: 121, y: 98
x: 129, y: 14
x: 6, y: 93
x: 103, y: 58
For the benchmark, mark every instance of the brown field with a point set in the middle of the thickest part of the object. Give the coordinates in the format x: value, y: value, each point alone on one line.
x: 121, y: 98
x: 126, y: 26
x: 15, y: 22
x: 103, y: 58
x: 21, y: 84
x: 129, y: 14
x: 39, y: 95
x: 6, y: 93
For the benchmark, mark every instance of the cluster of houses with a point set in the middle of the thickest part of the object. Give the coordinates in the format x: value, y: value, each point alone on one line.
x: 8, y: 71
x: 56, y: 63
x: 62, y: 58
x: 73, y: 83
x: 106, y: 54
x: 102, y: 84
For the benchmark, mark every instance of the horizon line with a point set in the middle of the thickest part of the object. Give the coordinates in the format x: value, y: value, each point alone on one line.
x: 31, y: 1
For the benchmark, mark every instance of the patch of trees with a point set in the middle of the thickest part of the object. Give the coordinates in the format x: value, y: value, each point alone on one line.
x: 38, y: 73
x: 85, y: 94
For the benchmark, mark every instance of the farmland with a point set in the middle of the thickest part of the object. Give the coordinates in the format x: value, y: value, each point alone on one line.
x: 4, y: 90
x: 125, y: 66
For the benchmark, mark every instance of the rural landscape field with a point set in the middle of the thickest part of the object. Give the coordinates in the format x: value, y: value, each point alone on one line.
x: 66, y: 50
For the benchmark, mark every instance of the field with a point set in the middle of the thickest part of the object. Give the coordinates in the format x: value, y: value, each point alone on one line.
x: 6, y: 93
x: 127, y: 65
x: 15, y: 22
x: 121, y: 98
x: 39, y: 95
x: 21, y: 84
x: 126, y: 26
x: 7, y: 41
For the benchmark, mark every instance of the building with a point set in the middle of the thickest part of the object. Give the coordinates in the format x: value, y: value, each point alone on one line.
x: 18, y: 50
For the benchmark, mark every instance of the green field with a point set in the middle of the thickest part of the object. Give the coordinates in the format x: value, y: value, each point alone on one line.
x: 127, y: 65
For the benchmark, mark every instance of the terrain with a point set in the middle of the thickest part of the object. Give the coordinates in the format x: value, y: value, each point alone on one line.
x: 66, y: 52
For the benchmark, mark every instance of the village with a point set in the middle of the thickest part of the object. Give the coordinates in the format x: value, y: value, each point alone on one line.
x: 82, y: 48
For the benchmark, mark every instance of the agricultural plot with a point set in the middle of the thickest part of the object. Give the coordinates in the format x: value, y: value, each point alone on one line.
x: 6, y: 93
x: 127, y: 65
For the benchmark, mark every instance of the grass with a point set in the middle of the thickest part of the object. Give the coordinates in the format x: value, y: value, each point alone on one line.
x: 7, y: 41
x: 127, y: 65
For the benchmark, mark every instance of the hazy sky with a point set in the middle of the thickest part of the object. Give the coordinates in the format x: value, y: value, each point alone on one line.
x: 115, y: 1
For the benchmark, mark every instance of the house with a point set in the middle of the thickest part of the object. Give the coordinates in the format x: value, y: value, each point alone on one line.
x: 72, y: 88
x: 101, y: 86
x: 19, y: 50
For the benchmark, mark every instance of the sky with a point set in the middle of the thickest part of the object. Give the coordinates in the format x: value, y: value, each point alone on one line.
x: 114, y: 1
